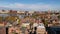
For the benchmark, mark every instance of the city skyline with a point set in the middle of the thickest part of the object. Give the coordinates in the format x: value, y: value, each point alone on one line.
x: 30, y: 4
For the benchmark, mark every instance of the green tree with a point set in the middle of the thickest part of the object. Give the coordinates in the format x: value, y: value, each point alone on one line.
x: 1, y: 18
x: 59, y: 16
x: 45, y: 22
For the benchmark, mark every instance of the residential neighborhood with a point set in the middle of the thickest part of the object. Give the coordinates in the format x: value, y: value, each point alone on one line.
x: 28, y: 22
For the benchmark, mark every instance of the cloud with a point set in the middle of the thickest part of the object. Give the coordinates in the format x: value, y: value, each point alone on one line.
x: 29, y: 6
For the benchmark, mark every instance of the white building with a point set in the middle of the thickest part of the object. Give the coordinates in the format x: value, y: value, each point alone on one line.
x: 4, y: 13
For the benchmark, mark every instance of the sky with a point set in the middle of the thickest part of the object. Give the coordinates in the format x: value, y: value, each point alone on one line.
x: 30, y: 4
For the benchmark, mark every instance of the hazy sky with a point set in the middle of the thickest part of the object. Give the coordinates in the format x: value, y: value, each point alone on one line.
x: 30, y: 4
